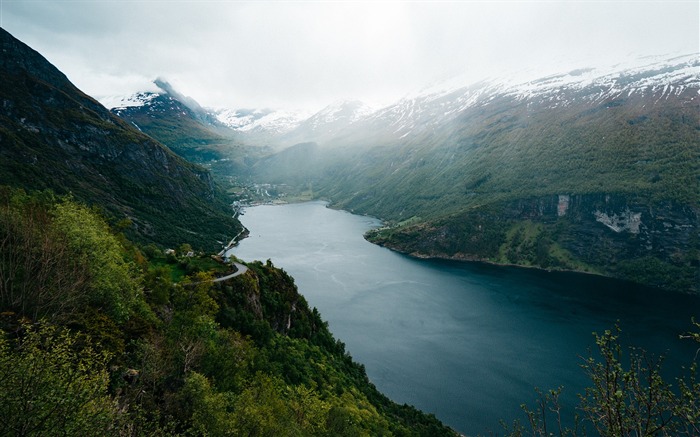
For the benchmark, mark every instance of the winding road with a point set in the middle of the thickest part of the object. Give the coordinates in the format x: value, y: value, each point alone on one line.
x: 240, y: 270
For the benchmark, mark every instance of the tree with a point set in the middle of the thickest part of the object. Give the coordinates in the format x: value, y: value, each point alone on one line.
x: 622, y: 401
x: 49, y: 385
x: 39, y: 275
x: 113, y: 284
x: 260, y: 410
x: 210, y: 411
x: 688, y: 406
x: 56, y: 257
x: 627, y: 402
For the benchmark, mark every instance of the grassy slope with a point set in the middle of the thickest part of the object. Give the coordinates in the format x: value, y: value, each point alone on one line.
x: 516, y: 151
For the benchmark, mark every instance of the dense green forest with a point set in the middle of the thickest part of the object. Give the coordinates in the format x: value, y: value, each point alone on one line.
x: 99, y: 340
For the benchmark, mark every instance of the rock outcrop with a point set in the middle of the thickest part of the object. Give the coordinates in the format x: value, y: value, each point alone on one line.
x: 655, y: 243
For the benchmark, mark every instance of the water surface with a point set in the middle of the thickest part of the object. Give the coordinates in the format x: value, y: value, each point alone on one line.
x: 467, y: 342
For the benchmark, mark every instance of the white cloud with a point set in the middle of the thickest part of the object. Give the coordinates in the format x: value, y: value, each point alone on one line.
x: 307, y: 54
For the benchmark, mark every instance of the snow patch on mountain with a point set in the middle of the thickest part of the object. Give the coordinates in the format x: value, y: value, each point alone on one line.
x: 134, y: 100
x: 259, y: 120
x: 662, y: 77
x: 670, y: 76
x: 340, y: 111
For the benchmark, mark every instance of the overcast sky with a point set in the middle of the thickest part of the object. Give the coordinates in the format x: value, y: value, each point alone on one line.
x: 308, y: 54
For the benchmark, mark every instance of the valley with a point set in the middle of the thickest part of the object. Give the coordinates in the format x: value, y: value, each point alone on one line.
x: 530, y: 174
x: 117, y: 318
x: 113, y: 216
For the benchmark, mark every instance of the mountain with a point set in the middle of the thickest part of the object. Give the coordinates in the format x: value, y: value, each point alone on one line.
x: 263, y: 122
x: 590, y: 170
x: 53, y: 136
x: 327, y: 123
x: 283, y: 128
x: 554, y: 125
x: 109, y: 332
x: 171, y: 122
x: 150, y: 107
x: 444, y: 103
x: 191, y: 131
x: 229, y: 141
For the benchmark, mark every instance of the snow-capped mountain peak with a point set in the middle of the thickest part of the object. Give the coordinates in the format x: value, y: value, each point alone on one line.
x: 659, y: 77
x: 261, y: 120
x: 667, y: 76
x: 134, y: 100
x: 347, y: 111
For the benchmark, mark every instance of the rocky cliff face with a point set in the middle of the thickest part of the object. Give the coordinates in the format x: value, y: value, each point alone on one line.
x: 606, y: 233
x: 617, y: 225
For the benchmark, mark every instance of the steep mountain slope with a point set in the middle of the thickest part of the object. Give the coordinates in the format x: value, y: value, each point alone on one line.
x: 164, y: 117
x: 187, y: 129
x: 54, y: 136
x: 506, y: 144
x: 585, y: 171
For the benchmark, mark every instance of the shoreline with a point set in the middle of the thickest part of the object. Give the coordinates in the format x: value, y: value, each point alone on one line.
x: 477, y: 261
x: 471, y: 259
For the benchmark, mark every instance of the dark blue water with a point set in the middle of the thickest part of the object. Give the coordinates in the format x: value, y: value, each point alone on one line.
x: 467, y: 342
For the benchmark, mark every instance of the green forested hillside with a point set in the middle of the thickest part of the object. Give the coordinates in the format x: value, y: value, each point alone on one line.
x: 511, y: 149
x: 98, y: 340
x: 609, y: 185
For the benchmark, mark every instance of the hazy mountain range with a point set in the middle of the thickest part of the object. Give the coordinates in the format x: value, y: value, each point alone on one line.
x: 595, y: 170
x: 439, y: 103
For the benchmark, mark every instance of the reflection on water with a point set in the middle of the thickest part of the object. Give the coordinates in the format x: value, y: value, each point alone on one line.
x: 468, y: 342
